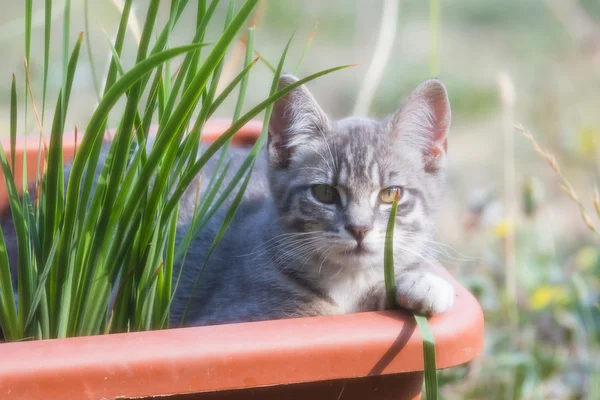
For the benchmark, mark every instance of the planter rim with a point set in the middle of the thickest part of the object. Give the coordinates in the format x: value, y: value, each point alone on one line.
x: 236, y: 356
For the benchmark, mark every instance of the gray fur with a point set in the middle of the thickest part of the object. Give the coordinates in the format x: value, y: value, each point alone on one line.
x: 286, y: 254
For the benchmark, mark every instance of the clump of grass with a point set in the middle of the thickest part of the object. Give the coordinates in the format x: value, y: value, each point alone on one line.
x: 82, y: 239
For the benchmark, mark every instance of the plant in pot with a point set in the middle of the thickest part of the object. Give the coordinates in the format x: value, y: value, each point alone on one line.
x: 81, y: 240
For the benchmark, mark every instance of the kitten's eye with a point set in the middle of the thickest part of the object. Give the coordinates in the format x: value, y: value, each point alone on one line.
x: 326, y: 194
x: 388, y: 195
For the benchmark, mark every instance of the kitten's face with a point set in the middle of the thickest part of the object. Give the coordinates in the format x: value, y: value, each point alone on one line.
x: 334, y: 183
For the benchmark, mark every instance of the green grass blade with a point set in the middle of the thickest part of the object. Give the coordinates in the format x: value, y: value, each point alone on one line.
x: 248, y: 63
x: 54, y: 193
x: 111, y: 77
x: 306, y: 48
x: 39, y: 294
x: 44, y: 316
x: 8, y: 309
x: 142, y: 315
x: 65, y: 303
x: 25, y: 272
x: 167, y: 82
x: 124, y: 305
x: 151, y: 100
x: 59, y: 122
x: 53, y: 198
x: 265, y: 61
x: 28, y: 19
x: 147, y: 31
x: 162, y: 99
x: 13, y: 121
x: 431, y: 381
x: 115, y: 54
x: 35, y: 237
x: 88, y: 45
x: 201, y: 12
x: 66, y: 46
x: 431, y: 384
x: 47, y: 35
x: 165, y: 292
x: 388, y: 258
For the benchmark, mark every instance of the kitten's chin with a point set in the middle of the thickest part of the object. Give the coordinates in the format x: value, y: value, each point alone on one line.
x: 360, y: 250
x: 360, y: 255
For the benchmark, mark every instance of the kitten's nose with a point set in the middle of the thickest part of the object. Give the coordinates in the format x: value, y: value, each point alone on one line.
x: 358, y: 232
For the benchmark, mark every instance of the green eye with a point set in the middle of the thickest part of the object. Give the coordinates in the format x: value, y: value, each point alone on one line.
x: 388, y: 195
x: 326, y: 194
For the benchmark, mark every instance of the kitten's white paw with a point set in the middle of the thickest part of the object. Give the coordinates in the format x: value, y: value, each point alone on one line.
x: 424, y: 293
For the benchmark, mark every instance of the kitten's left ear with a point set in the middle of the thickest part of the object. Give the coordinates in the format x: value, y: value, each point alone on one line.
x: 423, y: 121
x: 296, y: 120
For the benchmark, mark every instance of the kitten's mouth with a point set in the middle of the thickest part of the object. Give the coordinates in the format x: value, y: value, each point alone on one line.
x: 359, y: 250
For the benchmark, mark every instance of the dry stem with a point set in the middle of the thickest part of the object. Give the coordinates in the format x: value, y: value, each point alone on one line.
x: 565, y: 185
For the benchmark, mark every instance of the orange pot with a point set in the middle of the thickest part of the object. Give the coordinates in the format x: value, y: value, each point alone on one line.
x: 375, y: 355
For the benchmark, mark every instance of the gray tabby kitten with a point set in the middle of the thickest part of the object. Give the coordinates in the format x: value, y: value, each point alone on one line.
x: 309, y: 236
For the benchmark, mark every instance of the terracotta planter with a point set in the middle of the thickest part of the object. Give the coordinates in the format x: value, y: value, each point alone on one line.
x: 358, y: 356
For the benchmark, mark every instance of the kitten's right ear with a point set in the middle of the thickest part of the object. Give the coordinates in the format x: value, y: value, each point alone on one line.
x: 423, y: 122
x: 296, y: 120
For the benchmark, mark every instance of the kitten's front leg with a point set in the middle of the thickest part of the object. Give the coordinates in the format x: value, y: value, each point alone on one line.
x: 417, y: 289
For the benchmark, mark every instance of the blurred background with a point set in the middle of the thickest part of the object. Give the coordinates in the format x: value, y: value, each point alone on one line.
x: 510, y: 233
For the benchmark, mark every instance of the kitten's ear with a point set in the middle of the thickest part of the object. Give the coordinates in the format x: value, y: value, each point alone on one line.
x: 296, y: 120
x: 423, y: 121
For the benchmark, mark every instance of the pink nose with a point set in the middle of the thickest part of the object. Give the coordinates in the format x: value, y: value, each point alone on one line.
x: 358, y: 232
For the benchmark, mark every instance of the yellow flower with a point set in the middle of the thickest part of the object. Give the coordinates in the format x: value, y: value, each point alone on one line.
x: 503, y: 228
x: 587, y: 258
x: 545, y: 295
x: 587, y: 140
